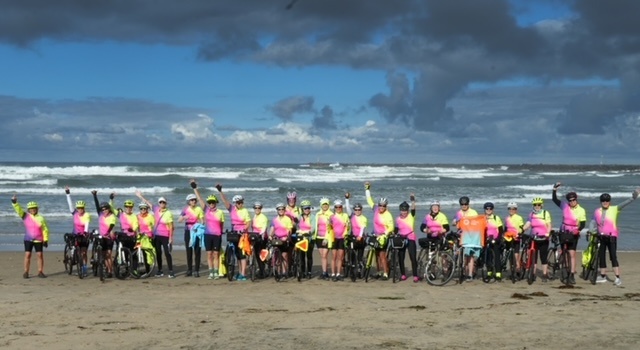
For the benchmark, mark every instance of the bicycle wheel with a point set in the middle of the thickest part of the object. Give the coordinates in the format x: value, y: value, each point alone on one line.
x: 554, y: 264
x: 423, y: 256
x: 67, y: 258
x: 564, y: 267
x: 531, y: 270
x: 122, y: 264
x: 460, y: 265
x: 230, y: 262
x: 77, y: 257
x: 393, y: 261
x: 367, y: 266
x: 353, y: 265
x: 440, y: 269
x: 594, y: 268
x: 101, y: 264
x: 297, y: 261
x: 277, y: 264
x: 252, y: 267
x: 511, y: 258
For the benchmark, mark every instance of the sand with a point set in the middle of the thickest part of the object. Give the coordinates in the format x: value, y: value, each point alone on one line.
x: 64, y: 312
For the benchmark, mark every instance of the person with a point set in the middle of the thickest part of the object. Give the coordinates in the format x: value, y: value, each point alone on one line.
x: 106, y: 225
x: 495, y: 232
x: 36, y: 235
x: 606, y: 218
x: 281, y: 227
x: 192, y: 214
x: 214, y: 227
x: 359, y: 224
x: 383, y: 226
x: 292, y: 210
x: 405, y: 223
x: 240, y: 223
x: 128, y: 223
x: 435, y: 223
x: 162, y: 233
x: 146, y: 221
x: 539, y: 221
x: 259, y: 225
x: 305, y: 228
x: 341, y: 226
x: 465, y: 210
x: 323, y: 234
x: 513, y: 231
x: 574, y: 219
x: 81, y: 220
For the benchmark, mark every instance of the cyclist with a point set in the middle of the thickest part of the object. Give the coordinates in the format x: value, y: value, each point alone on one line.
x: 81, y: 220
x: 162, y: 233
x: 383, y: 226
x: 495, y: 231
x: 128, y: 223
x: 513, y: 230
x: 305, y: 226
x: 106, y: 224
x: 240, y: 223
x: 574, y: 219
x: 259, y: 225
x: 341, y: 229
x: 323, y: 234
x: 281, y: 227
x: 359, y: 224
x: 435, y: 223
x: 36, y: 235
x: 292, y: 210
x: 539, y: 221
x: 192, y: 214
x: 404, y: 227
x: 606, y: 218
x: 465, y: 210
x: 214, y: 227
x: 146, y: 221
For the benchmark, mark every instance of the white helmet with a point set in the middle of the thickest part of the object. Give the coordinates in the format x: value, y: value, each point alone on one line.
x: 435, y: 203
x: 337, y: 203
x: 191, y: 196
x: 237, y: 198
x: 512, y: 205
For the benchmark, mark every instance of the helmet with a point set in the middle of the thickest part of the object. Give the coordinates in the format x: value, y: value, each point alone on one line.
x: 32, y: 205
x: 337, y: 203
x: 191, y: 197
x: 237, y: 198
x: 512, y: 205
x: 605, y: 197
x: 537, y: 200
x: 404, y: 206
x: 571, y: 195
x: 212, y: 199
x: 257, y: 205
x: 80, y: 204
x: 280, y: 206
x: 435, y: 203
x: 464, y: 200
x: 358, y: 206
x: 488, y: 205
x: 143, y: 205
x: 305, y: 204
x: 383, y: 201
x: 324, y: 200
x: 128, y: 203
x: 162, y: 199
x: 104, y: 205
x: 292, y: 195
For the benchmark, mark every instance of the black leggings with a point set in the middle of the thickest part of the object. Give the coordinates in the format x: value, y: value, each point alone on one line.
x: 543, y: 249
x: 612, y: 244
x: 163, y: 243
x: 411, y: 245
x: 307, y: 264
x: 497, y: 253
x: 190, y: 251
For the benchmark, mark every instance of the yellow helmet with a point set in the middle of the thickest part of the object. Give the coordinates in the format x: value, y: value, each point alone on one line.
x: 80, y: 204
x: 537, y: 200
x: 32, y: 205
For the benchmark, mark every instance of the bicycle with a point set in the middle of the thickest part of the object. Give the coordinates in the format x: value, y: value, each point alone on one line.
x: 553, y: 257
x: 98, y: 263
x: 72, y: 254
x: 252, y: 263
x: 297, y: 255
x: 509, y: 259
x: 230, y: 258
x: 486, y: 264
x: 561, y: 257
x: 372, y: 243
x: 277, y: 261
x: 143, y: 257
x: 122, y: 261
x: 434, y: 261
x: 531, y: 257
x: 396, y: 243
x: 594, y: 264
x: 351, y: 263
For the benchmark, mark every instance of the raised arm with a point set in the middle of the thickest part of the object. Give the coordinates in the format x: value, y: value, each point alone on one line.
x: 347, y: 204
x: 628, y: 201
x: 69, y: 202
x: 367, y: 194
x: 95, y: 201
x: 139, y: 195
x: 412, y: 198
x: 194, y: 185
x: 17, y: 207
x: 223, y: 197
x: 554, y: 196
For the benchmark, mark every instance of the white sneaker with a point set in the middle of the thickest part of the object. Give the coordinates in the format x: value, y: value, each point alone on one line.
x: 618, y: 281
x: 601, y: 279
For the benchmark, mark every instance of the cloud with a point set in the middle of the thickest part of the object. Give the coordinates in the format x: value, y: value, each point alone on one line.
x: 194, y: 130
x: 287, y: 107
x: 324, y: 120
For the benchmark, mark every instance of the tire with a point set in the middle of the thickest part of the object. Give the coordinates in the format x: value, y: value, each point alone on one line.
x: 367, y: 266
x: 423, y: 263
x: 101, y: 265
x: 487, y: 271
x: 460, y: 265
x: 277, y: 264
x: 524, y: 258
x: 511, y: 260
x: 298, y: 266
x: 67, y: 259
x: 393, y: 266
x: 122, y: 264
x: 77, y: 256
x: 439, y: 270
x: 563, y: 266
x: 594, y: 268
x: 554, y: 263
x: 531, y: 271
x: 353, y: 265
x: 230, y: 262
x: 140, y: 265
x: 253, y: 267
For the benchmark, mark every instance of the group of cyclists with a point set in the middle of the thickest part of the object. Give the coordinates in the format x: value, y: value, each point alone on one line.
x: 327, y: 230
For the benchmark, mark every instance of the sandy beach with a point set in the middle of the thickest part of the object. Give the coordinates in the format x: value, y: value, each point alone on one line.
x: 64, y: 312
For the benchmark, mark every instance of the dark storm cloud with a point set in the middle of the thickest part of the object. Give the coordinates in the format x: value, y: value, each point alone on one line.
x: 287, y: 107
x: 324, y: 120
x: 442, y: 45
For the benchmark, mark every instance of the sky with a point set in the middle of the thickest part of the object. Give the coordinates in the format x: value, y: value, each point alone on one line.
x: 297, y: 81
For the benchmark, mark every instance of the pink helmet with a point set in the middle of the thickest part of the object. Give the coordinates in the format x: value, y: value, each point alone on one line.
x: 292, y: 195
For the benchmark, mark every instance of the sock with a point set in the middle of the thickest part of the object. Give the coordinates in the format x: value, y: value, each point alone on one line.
x: 210, y: 271
x: 617, y: 276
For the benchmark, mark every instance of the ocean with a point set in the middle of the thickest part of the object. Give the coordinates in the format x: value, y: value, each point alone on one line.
x: 269, y: 184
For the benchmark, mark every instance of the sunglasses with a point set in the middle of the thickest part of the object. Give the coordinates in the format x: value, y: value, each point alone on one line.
x: 512, y: 208
x: 573, y: 200
x: 605, y: 201
x: 357, y: 209
x: 382, y: 206
x: 537, y: 205
x: 144, y: 208
x: 163, y: 202
x: 306, y: 208
x: 280, y: 209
